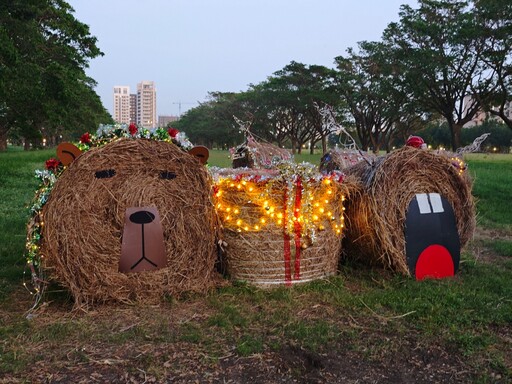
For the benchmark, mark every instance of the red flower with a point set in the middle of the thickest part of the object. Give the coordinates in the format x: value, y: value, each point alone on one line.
x: 173, y: 132
x: 52, y: 164
x: 133, y: 129
x: 85, y: 138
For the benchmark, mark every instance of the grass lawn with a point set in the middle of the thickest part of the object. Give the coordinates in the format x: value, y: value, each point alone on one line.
x: 363, y: 325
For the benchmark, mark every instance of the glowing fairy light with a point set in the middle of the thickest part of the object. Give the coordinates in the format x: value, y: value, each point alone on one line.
x: 311, y: 204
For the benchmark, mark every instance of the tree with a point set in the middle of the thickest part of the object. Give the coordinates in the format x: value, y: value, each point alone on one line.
x: 288, y: 100
x: 440, y: 49
x: 44, y: 52
x: 370, y: 83
x: 495, y: 19
x: 212, y: 123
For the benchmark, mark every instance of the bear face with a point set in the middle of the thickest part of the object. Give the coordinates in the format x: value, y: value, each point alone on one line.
x: 126, y: 183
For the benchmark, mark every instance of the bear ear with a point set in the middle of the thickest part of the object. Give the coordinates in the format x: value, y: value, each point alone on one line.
x: 200, y: 152
x: 67, y: 153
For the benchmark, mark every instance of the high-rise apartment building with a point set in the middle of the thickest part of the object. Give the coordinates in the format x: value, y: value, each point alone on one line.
x: 122, y: 104
x: 146, y: 104
x: 470, y: 102
x: 133, y: 108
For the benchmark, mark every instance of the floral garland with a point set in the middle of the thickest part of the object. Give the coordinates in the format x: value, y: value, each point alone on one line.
x: 107, y: 133
x: 54, y: 168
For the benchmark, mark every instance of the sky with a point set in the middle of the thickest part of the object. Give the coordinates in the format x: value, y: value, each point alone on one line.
x: 192, y: 47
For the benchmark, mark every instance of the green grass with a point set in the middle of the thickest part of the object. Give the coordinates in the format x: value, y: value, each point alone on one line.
x: 222, y: 159
x: 501, y: 247
x: 369, y: 312
x: 17, y: 187
x: 219, y: 158
x: 493, y: 188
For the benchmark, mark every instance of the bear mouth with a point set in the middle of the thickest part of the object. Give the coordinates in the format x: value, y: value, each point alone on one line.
x: 142, y: 246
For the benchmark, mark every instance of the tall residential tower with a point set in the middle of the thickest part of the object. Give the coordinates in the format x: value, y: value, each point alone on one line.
x: 146, y: 104
x: 122, y: 104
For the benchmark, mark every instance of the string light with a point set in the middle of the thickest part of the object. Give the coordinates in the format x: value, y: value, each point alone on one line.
x: 262, y: 199
x: 459, y: 164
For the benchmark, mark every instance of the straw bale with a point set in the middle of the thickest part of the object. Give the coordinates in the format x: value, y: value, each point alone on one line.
x: 84, y: 221
x: 258, y: 256
x: 259, y: 155
x: 376, y: 212
x: 341, y: 159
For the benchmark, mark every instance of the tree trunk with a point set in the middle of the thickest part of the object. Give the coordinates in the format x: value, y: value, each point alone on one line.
x: 456, y: 131
x: 3, y: 140
x: 294, y: 146
x: 324, y: 145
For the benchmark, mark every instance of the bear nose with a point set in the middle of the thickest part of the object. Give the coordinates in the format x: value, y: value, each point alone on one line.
x: 142, y: 217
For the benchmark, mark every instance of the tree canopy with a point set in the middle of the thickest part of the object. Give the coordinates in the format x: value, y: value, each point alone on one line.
x: 44, y: 90
x: 446, y: 60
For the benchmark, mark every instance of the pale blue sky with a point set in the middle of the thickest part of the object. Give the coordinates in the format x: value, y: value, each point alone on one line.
x: 191, y: 47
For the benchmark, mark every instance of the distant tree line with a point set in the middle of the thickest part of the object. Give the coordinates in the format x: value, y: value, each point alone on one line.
x: 44, y: 91
x: 500, y: 141
x: 420, y: 73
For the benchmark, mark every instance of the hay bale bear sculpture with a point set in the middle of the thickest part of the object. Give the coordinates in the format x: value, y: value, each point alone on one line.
x: 130, y: 221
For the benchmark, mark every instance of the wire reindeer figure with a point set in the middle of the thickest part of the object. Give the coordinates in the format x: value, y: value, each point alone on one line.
x: 473, y: 147
x: 330, y: 125
x: 255, y: 153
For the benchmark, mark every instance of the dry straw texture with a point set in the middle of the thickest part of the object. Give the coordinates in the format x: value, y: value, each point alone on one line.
x: 258, y: 256
x: 84, y: 221
x: 341, y: 159
x: 376, y: 212
x: 258, y: 155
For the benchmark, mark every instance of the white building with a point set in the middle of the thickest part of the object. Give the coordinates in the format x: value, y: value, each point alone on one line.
x: 481, y: 116
x: 146, y: 104
x: 122, y: 104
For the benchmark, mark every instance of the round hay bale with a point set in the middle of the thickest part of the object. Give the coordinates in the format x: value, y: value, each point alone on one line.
x: 376, y: 212
x: 280, y: 228
x: 258, y: 155
x: 338, y: 159
x: 85, y: 217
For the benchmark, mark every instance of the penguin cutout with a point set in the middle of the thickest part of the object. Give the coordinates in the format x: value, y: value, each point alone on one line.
x: 432, y: 244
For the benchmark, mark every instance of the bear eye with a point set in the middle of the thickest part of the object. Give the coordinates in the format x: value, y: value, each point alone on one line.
x: 105, y: 174
x: 167, y: 175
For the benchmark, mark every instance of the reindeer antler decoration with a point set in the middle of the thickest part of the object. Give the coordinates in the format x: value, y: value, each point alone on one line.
x: 329, y: 122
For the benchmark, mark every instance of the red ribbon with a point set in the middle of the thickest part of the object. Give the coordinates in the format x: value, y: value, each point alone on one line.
x: 297, y: 226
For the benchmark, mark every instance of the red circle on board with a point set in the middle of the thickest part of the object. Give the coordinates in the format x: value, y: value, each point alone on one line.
x: 434, y: 262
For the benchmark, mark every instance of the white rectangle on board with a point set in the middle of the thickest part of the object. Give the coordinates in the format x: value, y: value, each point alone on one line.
x: 436, y: 202
x: 424, y: 206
